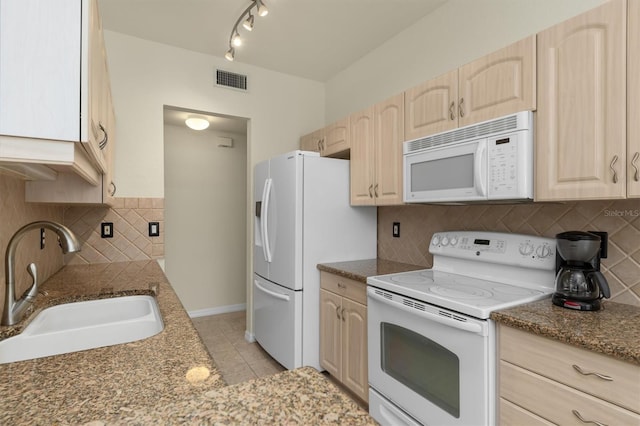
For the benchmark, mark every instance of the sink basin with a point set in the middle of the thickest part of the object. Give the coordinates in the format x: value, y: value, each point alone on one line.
x: 79, y: 326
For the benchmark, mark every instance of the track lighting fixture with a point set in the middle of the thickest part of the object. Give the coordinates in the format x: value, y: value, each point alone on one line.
x: 234, y: 38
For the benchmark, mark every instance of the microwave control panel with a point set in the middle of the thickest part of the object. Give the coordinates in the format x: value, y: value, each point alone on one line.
x: 510, y: 160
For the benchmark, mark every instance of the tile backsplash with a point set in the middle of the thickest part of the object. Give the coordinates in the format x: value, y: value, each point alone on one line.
x: 131, y: 240
x: 621, y: 219
x: 15, y: 213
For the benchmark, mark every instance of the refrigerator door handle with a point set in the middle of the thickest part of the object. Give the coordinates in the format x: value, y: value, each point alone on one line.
x: 264, y: 223
x: 271, y: 293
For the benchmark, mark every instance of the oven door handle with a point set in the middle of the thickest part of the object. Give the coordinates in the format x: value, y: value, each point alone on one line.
x: 470, y: 327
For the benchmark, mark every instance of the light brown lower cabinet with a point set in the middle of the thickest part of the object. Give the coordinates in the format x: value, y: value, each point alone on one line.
x: 544, y: 381
x: 343, y: 332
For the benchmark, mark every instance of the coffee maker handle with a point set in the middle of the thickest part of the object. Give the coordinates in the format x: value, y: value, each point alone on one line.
x: 602, y: 283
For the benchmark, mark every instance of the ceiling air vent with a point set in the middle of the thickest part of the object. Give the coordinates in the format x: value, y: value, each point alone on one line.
x: 230, y: 79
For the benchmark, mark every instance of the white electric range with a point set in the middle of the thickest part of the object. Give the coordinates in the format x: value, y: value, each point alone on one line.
x: 431, y: 341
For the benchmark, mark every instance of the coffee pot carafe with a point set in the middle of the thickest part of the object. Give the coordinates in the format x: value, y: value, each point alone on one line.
x: 579, y: 283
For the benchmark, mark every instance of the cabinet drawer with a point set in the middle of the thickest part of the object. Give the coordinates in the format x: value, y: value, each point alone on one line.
x: 556, y: 361
x: 511, y: 414
x: 556, y: 402
x: 351, y: 289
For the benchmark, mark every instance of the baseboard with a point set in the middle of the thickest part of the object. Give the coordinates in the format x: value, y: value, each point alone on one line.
x: 217, y: 310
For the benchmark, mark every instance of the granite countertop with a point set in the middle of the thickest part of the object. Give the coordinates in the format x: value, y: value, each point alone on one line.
x: 167, y: 378
x: 359, y: 270
x: 613, y: 330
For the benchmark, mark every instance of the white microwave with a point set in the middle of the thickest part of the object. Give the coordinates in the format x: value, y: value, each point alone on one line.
x: 488, y: 161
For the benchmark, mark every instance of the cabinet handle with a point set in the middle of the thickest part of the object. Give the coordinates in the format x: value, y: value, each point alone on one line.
x: 338, y: 312
x: 342, y: 314
x: 323, y: 143
x: 370, y: 191
x: 103, y: 143
x: 636, y: 177
x: 615, y: 174
x: 342, y: 286
x: 452, y: 113
x: 577, y: 414
x: 375, y: 190
x: 319, y: 145
x: 589, y: 373
x: 461, y: 108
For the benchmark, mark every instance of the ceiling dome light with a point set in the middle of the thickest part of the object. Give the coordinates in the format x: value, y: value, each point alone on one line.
x: 236, y: 40
x: 248, y: 24
x: 231, y: 53
x: 196, y: 123
x: 262, y: 9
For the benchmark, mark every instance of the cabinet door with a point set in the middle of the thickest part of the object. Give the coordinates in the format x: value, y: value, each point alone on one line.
x: 311, y: 142
x: 362, y: 163
x: 581, y: 118
x: 354, y: 341
x: 498, y: 84
x: 330, y: 332
x: 336, y: 138
x: 633, y: 100
x: 431, y: 107
x: 388, y: 137
x: 40, y: 69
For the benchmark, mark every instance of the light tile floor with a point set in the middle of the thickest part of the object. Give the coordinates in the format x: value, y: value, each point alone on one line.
x: 237, y: 359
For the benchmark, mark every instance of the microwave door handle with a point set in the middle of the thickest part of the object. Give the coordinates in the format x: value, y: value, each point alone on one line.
x: 264, y: 223
x: 480, y: 168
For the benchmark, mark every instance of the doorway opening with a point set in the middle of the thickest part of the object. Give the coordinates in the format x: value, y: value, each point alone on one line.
x: 205, y: 185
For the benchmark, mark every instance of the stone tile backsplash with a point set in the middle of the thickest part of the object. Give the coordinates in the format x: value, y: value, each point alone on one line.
x: 131, y: 240
x: 621, y: 219
x: 15, y: 213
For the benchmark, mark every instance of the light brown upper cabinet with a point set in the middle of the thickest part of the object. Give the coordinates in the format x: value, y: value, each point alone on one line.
x: 633, y: 100
x: 497, y: 84
x: 377, y: 134
x: 312, y: 141
x: 581, y: 146
x: 336, y: 139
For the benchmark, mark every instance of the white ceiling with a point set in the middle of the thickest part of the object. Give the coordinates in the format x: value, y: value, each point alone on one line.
x: 314, y: 39
x: 217, y: 123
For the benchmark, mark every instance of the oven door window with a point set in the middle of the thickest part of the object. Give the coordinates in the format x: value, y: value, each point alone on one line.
x: 421, y: 364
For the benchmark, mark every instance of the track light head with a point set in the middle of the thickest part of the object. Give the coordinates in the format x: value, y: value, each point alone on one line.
x: 236, y: 40
x: 262, y: 9
x: 248, y: 23
x: 231, y: 53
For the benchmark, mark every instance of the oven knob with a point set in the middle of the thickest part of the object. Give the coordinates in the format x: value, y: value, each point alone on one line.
x: 445, y: 240
x: 543, y: 251
x: 454, y: 241
x: 436, y: 240
x: 526, y: 249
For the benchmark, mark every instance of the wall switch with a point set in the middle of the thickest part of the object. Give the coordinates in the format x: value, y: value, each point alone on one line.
x: 154, y: 229
x: 106, y: 229
x: 396, y: 229
x: 41, y: 238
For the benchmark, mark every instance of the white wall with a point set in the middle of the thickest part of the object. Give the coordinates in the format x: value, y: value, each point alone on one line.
x: 453, y: 35
x: 145, y: 76
x: 205, y: 209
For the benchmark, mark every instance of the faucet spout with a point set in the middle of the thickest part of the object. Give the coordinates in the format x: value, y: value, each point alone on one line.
x: 14, y: 309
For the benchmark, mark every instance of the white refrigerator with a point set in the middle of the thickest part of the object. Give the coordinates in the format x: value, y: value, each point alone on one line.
x: 302, y: 217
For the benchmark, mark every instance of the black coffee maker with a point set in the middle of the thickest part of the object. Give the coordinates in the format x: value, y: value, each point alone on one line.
x: 579, y: 283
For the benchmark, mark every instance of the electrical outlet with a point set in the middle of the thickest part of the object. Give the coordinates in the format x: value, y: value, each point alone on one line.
x: 154, y: 229
x: 396, y: 229
x: 41, y: 238
x: 106, y: 229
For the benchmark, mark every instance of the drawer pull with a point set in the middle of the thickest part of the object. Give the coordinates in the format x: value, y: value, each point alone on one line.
x: 588, y: 373
x: 342, y: 286
x: 593, y: 422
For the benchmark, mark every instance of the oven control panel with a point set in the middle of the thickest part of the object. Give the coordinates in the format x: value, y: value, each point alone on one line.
x: 496, y: 247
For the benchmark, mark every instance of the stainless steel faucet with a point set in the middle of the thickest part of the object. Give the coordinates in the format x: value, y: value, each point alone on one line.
x: 13, y: 309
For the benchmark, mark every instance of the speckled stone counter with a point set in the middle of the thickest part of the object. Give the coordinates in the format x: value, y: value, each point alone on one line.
x: 359, y: 270
x: 613, y: 330
x: 168, y: 378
